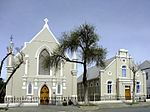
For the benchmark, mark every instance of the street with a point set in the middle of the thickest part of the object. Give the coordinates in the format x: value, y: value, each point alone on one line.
x: 46, y: 108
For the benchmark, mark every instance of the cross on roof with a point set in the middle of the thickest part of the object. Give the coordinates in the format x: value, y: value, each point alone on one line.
x: 46, y: 20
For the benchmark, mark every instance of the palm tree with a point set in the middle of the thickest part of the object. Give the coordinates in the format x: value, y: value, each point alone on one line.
x: 84, y: 41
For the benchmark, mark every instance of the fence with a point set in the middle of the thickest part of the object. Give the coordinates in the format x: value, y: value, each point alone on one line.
x: 49, y: 100
x: 69, y: 100
x: 112, y: 97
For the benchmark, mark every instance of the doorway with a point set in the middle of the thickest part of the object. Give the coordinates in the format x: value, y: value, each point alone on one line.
x: 44, y: 95
x: 127, y: 93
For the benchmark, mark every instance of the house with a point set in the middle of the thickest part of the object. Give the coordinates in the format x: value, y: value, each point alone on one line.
x: 32, y: 82
x: 145, y: 66
x: 114, y: 81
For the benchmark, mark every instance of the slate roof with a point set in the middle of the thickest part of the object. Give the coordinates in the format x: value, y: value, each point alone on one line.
x: 145, y: 65
x: 93, y: 72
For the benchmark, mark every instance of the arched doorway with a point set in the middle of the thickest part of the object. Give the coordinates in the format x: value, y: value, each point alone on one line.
x: 44, y: 95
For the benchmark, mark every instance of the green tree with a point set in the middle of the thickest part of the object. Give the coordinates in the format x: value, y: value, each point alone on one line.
x: 84, y: 41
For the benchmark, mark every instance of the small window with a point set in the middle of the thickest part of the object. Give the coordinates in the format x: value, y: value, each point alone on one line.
x: 59, y: 89
x: 137, y: 87
x: 30, y: 88
x: 123, y: 71
x: 97, y: 84
x: 124, y: 60
x: 146, y: 75
x: 109, y: 73
x: 109, y: 87
x: 97, y: 88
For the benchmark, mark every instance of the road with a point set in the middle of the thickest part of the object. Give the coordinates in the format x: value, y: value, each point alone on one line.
x: 76, y: 109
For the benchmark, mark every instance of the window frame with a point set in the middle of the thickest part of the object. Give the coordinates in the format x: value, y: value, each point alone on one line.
x: 138, y: 87
x: 59, y: 92
x: 109, y: 87
x: 29, y: 85
x: 124, y: 70
x: 39, y: 64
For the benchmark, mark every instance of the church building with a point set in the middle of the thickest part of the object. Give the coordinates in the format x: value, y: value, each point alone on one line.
x: 33, y: 82
x: 114, y: 81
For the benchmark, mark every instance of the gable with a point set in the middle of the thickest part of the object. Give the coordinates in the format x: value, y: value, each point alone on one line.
x: 45, y: 35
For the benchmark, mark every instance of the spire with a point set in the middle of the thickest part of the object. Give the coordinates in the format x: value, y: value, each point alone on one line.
x: 11, y: 45
x: 11, y: 56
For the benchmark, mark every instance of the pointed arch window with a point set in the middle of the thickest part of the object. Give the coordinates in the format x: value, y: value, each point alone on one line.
x: 42, y: 70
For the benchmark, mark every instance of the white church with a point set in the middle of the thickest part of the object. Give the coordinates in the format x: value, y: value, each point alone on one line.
x: 32, y: 82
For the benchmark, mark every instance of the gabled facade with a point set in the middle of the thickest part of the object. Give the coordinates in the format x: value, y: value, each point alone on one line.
x: 115, y: 81
x: 32, y: 80
x: 145, y: 66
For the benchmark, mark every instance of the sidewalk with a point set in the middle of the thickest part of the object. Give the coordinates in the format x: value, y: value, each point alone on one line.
x: 123, y: 105
x: 115, y: 105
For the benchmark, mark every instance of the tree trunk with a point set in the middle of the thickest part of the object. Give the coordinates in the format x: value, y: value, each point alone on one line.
x: 14, y: 70
x: 2, y: 62
x: 133, y: 95
x: 85, y: 84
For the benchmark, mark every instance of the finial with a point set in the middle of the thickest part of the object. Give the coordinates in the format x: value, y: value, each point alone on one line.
x: 11, y: 38
x: 46, y: 20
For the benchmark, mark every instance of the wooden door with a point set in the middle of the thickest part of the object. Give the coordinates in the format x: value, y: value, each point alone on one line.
x: 127, y: 93
x: 44, y: 95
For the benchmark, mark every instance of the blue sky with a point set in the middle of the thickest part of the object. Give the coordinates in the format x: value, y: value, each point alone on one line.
x: 120, y: 23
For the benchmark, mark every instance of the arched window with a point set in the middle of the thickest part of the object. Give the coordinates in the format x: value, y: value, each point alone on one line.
x: 109, y: 87
x: 137, y: 87
x: 42, y: 70
x: 123, y: 71
x: 30, y: 88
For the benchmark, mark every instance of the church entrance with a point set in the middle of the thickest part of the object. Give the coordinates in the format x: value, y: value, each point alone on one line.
x: 44, y: 95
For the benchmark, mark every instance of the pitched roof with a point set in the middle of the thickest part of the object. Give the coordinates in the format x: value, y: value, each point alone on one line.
x: 93, y: 72
x: 145, y: 65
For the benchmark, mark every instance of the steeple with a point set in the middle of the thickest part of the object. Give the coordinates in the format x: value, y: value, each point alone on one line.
x: 74, y: 65
x: 10, y: 65
x: 10, y: 50
x: 11, y: 45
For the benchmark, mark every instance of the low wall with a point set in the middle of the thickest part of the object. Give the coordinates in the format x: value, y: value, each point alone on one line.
x: 3, y: 105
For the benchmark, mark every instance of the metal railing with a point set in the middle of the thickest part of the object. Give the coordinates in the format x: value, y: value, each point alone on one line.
x: 49, y: 100
x: 112, y: 97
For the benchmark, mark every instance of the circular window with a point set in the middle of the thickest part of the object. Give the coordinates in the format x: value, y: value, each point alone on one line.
x: 109, y: 73
x: 137, y: 75
x: 124, y: 60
